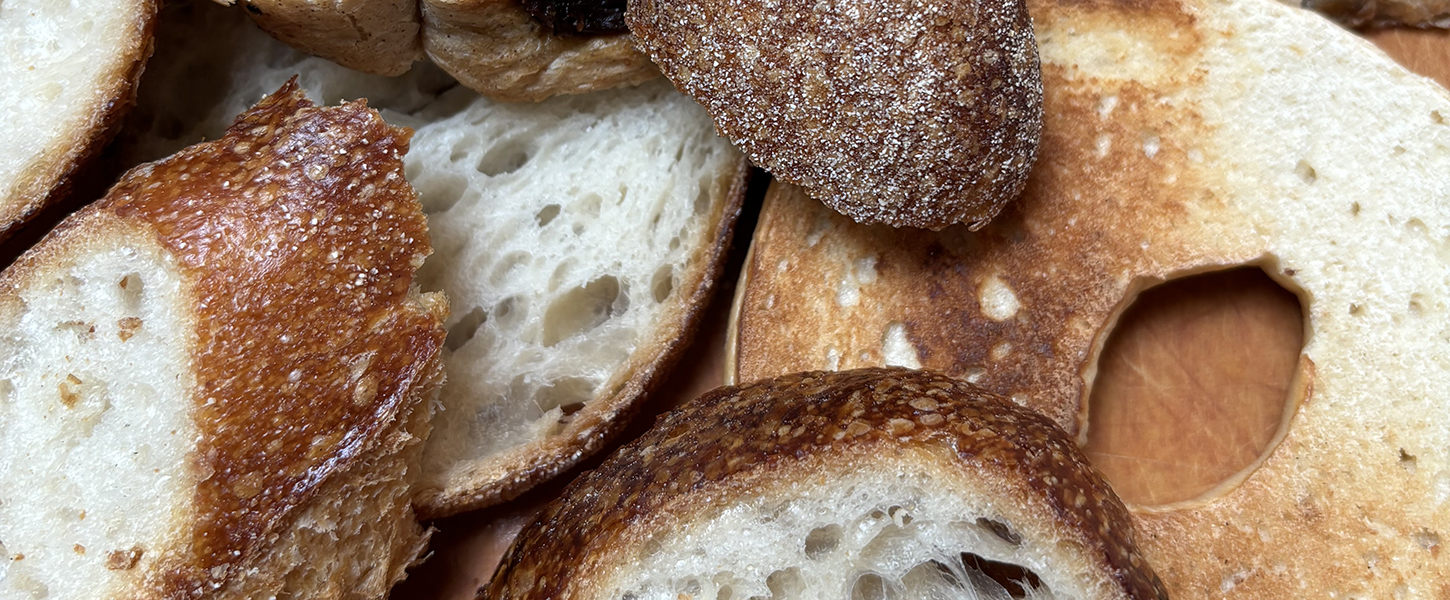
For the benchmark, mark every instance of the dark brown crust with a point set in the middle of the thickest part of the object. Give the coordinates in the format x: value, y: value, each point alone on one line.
x: 736, y: 433
x: 888, y: 111
x: 48, y: 187
x: 315, y: 329
x: 602, y: 419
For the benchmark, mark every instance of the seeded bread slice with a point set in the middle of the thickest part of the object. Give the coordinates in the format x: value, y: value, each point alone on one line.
x: 577, y: 239
x: 69, y: 71
x: 216, y: 380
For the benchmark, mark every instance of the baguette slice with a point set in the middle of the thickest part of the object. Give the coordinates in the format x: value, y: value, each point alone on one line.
x: 578, y: 240
x: 216, y: 380
x: 876, y: 483
x: 69, y: 73
x: 1207, y: 135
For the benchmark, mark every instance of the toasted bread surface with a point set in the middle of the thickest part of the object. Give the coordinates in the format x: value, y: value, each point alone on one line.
x: 1166, y: 153
x: 756, y: 490
x: 304, y: 366
x: 70, y: 72
x: 498, y: 50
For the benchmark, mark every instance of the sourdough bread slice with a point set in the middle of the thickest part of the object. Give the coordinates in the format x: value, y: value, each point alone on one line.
x: 1182, y: 138
x: 875, y: 483
x: 218, y: 378
x: 577, y: 239
x: 70, y: 71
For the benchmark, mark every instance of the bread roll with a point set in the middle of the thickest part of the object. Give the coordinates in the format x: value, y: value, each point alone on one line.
x: 877, y: 483
x: 216, y: 381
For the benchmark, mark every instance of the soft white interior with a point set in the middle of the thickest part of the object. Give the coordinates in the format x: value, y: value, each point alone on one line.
x: 560, y: 230
x: 94, y: 423
x: 55, y: 59
x: 872, y: 535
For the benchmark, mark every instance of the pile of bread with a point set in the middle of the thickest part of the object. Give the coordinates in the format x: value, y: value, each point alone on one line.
x: 336, y: 295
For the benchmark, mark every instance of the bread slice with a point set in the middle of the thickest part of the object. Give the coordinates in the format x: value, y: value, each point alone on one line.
x: 577, y: 240
x: 70, y: 71
x: 499, y: 50
x: 1183, y: 138
x: 216, y: 380
x: 876, y: 483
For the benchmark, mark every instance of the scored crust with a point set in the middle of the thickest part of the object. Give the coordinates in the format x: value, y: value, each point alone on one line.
x: 887, y: 111
x: 1167, y: 153
x: 767, y: 439
x: 66, y: 112
x: 315, y: 361
x: 495, y: 48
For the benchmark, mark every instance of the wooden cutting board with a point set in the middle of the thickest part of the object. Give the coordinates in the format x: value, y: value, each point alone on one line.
x: 1156, y: 359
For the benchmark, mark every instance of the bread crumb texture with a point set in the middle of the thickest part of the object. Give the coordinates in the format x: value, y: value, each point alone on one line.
x: 907, y: 112
x: 828, y: 484
x: 283, y: 370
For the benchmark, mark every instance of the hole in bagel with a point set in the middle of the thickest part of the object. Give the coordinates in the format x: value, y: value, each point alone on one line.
x: 1194, y: 385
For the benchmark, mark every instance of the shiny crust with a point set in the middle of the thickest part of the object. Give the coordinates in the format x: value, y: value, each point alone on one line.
x: 888, y: 111
x: 373, y: 36
x: 313, y: 356
x: 728, y: 444
x: 50, y: 178
x: 498, y: 50
x: 604, y: 417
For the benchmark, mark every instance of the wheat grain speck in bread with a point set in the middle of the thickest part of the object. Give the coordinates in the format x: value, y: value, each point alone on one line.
x: 869, y: 483
x: 215, y: 381
x: 907, y: 112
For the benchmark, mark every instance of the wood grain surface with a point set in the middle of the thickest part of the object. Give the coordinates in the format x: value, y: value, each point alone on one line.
x: 1176, y: 366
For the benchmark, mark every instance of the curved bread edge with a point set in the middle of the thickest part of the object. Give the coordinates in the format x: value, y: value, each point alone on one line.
x: 382, y: 37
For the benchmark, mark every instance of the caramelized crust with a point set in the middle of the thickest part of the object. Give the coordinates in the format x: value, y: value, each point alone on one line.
x: 910, y: 114
x: 730, y: 442
x: 311, y: 351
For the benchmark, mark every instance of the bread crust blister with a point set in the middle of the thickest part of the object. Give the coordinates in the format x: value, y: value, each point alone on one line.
x: 905, y: 113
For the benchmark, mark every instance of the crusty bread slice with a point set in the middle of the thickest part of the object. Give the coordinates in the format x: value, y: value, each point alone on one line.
x: 216, y: 380
x: 875, y: 483
x: 496, y: 48
x: 578, y: 239
x: 1182, y: 138
x: 69, y: 73
x: 1382, y: 13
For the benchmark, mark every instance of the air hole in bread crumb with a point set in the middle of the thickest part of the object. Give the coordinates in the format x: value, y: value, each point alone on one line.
x: 1426, y: 539
x: 1354, y: 209
x: 1306, y: 172
x: 1195, y: 384
x: 573, y: 392
x: 507, y: 265
x: 1356, y: 310
x: 822, y: 541
x: 1001, y: 530
x: 580, y: 310
x: 785, y: 583
x: 546, y: 215
x: 504, y: 158
x: 868, y: 586
x: 662, y: 283
x: 1013, y: 578
x: 462, y: 331
x: 1407, y: 461
x: 702, y: 198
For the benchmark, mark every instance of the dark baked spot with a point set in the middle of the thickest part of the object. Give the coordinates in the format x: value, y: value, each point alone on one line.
x: 578, y: 16
x: 123, y: 560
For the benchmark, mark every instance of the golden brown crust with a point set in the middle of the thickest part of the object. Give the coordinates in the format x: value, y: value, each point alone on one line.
x: 603, y: 418
x: 51, y: 178
x: 690, y: 462
x: 315, y: 329
x: 887, y: 111
x: 373, y: 36
x: 1384, y: 13
x: 498, y: 50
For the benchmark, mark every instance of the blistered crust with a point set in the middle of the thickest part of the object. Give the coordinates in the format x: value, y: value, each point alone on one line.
x: 300, y: 238
x: 696, y: 458
x: 906, y: 113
